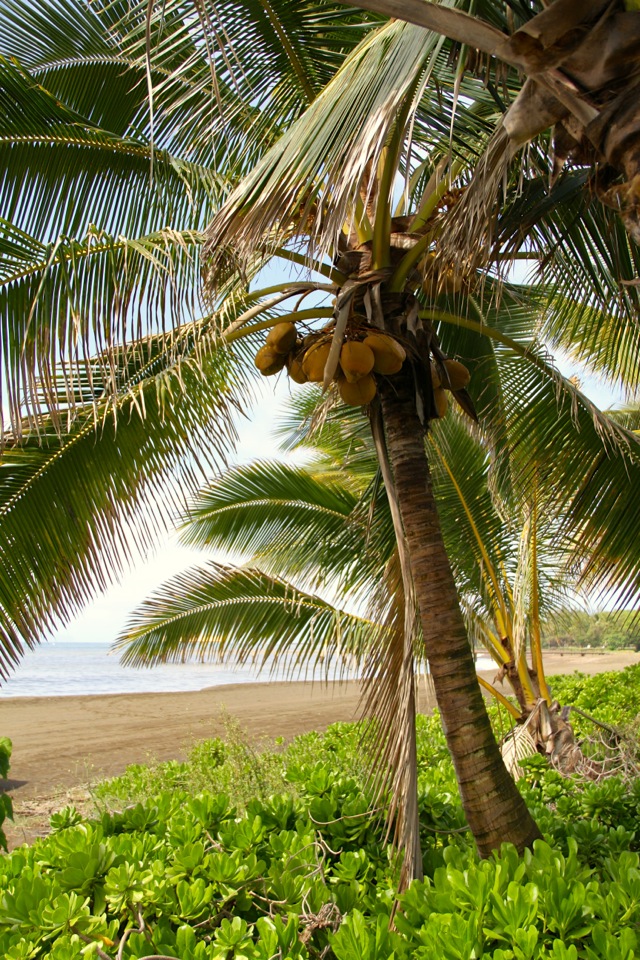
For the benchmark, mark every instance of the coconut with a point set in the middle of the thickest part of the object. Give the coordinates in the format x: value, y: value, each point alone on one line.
x: 435, y: 377
x: 282, y: 337
x: 388, y: 354
x: 441, y: 401
x: 295, y: 371
x: 457, y: 376
x: 268, y: 361
x: 358, y: 393
x: 356, y: 360
x: 314, y: 361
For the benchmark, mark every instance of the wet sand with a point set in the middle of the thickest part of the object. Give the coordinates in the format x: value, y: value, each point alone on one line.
x: 61, y: 744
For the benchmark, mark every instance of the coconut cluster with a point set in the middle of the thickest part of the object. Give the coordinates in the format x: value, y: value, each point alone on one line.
x: 364, y: 354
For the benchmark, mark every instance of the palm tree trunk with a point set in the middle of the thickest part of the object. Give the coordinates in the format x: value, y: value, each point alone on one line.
x: 494, y: 809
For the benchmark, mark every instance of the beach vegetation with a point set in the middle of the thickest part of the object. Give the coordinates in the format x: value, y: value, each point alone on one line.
x: 183, y: 862
x: 373, y: 153
x: 6, y: 805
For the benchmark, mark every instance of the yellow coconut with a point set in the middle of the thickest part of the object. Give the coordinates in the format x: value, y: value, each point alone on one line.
x: 388, y: 354
x: 358, y: 393
x: 356, y: 360
x: 282, y: 337
x: 268, y: 361
x: 314, y: 361
x: 441, y: 401
x: 457, y: 376
x: 295, y: 371
x: 435, y: 377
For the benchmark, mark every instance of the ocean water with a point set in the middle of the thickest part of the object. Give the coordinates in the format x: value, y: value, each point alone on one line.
x: 62, y: 669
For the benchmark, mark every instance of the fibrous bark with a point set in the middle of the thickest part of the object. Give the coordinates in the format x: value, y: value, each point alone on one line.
x: 494, y: 809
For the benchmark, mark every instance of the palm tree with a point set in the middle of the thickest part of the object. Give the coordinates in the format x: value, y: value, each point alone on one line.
x: 321, y: 570
x: 107, y: 346
x: 329, y: 183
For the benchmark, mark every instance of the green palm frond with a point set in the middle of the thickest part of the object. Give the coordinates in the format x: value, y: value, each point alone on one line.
x: 72, y: 306
x: 338, y: 441
x: 100, y: 481
x: 62, y: 172
x: 584, y: 460
x: 586, y: 266
x: 280, y: 517
x: 244, y: 616
x: 259, y: 64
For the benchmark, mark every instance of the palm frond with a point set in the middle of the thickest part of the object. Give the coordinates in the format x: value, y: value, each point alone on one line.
x: 107, y: 488
x: 281, y: 518
x: 243, y: 615
x: 588, y: 269
x: 327, y: 150
x: 61, y: 172
x: 69, y: 308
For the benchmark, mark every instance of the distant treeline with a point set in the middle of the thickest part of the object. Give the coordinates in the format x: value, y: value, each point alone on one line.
x: 607, y: 631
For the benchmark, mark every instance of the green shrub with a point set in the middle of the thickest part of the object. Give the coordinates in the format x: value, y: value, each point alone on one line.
x: 305, y: 872
x: 6, y: 807
x: 612, y: 698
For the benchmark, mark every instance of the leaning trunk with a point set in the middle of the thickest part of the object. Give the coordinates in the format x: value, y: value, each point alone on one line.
x: 494, y: 809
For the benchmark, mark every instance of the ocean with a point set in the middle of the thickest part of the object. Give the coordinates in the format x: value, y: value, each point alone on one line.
x: 62, y: 669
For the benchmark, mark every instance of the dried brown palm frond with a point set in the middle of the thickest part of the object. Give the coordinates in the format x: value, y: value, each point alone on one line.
x: 582, y: 63
x: 311, y: 178
x: 389, y: 687
x: 467, y: 232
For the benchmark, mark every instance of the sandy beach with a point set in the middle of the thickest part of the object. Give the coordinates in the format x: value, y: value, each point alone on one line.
x: 61, y: 744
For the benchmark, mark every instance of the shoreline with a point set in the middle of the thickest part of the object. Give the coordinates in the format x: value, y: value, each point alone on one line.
x: 61, y: 744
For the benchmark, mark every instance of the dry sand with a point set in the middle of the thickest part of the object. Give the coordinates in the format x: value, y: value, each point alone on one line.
x: 60, y: 744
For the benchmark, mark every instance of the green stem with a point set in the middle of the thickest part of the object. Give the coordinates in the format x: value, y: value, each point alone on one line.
x: 406, y: 265
x: 382, y: 226
x: 318, y: 313
x: 434, y: 197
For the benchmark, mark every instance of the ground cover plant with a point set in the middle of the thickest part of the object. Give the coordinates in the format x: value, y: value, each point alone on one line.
x: 238, y: 853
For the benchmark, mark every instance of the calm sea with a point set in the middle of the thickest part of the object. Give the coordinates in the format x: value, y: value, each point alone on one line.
x: 63, y: 669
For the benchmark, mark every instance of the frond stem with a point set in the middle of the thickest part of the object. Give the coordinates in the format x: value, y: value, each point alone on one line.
x: 515, y: 713
x: 505, y: 626
x: 229, y: 335
x: 294, y: 59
